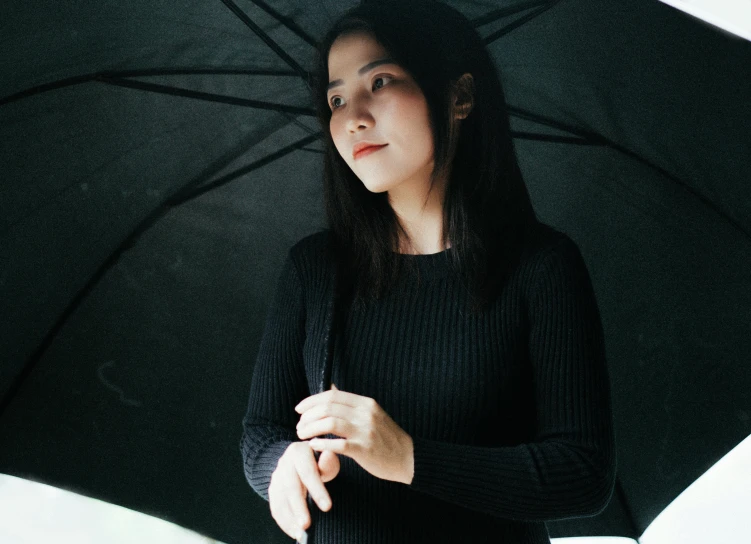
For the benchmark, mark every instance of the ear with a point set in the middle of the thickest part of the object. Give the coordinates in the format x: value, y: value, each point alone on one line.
x: 462, y: 96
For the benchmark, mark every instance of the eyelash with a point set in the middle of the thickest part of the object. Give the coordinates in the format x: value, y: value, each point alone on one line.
x: 334, y: 108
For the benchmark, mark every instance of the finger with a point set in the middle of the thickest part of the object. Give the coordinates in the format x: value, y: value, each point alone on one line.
x: 311, y: 479
x: 332, y: 395
x: 328, y: 465
x: 319, y: 411
x: 282, y: 509
x: 299, y: 517
x: 357, y: 414
x: 344, y: 428
x: 338, y: 445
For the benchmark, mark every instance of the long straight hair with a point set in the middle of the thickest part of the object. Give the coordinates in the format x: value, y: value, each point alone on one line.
x: 486, y: 210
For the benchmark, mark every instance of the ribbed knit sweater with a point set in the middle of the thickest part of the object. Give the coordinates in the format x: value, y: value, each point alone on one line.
x: 509, y: 412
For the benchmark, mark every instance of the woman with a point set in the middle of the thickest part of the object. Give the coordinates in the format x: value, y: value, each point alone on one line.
x: 472, y: 399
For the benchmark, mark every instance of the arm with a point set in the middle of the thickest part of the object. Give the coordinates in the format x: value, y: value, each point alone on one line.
x: 278, y: 383
x: 568, y: 470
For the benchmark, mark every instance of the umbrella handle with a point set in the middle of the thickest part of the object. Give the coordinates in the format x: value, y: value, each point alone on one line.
x: 326, y: 372
x: 303, y: 538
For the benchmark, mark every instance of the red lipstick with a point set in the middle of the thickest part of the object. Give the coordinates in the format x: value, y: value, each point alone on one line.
x: 366, y: 148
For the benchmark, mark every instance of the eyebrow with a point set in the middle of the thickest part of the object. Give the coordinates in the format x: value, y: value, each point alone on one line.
x: 362, y: 70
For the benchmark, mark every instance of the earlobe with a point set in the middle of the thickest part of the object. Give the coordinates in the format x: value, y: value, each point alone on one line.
x: 463, y: 96
x: 462, y: 111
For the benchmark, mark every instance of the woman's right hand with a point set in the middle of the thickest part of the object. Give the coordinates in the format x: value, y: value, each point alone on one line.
x: 296, y: 474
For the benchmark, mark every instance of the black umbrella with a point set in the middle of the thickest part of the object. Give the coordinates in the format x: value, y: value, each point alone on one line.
x: 160, y: 159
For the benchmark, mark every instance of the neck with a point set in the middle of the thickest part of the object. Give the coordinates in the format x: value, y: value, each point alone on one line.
x: 421, y: 216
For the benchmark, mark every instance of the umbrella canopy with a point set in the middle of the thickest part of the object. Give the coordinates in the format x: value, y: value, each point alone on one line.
x: 160, y: 158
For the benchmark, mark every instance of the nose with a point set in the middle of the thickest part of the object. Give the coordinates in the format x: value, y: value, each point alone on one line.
x: 359, y: 115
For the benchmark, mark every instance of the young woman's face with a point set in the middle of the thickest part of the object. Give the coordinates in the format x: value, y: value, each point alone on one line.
x: 380, y: 105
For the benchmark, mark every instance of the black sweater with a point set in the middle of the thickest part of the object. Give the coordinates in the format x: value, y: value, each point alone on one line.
x: 509, y: 412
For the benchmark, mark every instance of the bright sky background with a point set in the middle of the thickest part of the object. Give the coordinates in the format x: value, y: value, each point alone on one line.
x: 733, y: 16
x: 35, y: 513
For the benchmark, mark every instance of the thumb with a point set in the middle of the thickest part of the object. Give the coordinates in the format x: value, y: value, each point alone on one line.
x: 328, y: 465
x: 334, y: 387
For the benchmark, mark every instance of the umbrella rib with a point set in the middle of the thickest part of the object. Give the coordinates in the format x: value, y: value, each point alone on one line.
x: 588, y: 135
x: 50, y: 86
x: 621, y: 494
x: 190, y: 194
x: 286, y: 21
x: 86, y: 78
x: 127, y: 243
x: 552, y: 138
x: 496, y: 14
x: 234, y: 8
x: 200, y: 71
x: 598, y: 139
x: 210, y: 97
x: 519, y: 22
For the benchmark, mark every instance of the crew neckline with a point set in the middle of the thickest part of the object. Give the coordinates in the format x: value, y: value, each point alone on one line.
x: 422, y: 254
x: 428, y: 265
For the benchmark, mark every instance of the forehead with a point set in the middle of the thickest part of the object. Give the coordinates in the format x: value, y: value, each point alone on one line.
x: 351, y: 51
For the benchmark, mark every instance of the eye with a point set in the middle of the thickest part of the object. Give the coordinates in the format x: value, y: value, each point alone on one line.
x: 381, y: 77
x: 333, y: 98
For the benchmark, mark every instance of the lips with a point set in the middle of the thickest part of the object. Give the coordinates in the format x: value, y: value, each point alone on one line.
x: 361, y: 150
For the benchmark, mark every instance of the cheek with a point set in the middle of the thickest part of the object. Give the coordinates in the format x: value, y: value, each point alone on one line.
x: 336, y: 135
x: 412, y: 113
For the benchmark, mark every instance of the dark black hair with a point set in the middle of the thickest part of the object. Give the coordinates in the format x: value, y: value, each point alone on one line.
x: 487, y: 207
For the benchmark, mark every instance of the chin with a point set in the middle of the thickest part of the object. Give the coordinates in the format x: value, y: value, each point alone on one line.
x: 376, y: 187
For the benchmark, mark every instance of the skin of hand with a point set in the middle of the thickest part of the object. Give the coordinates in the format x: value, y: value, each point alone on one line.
x: 369, y: 436
x: 297, y: 473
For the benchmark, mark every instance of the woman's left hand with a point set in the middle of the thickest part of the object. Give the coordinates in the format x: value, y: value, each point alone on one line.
x: 369, y: 435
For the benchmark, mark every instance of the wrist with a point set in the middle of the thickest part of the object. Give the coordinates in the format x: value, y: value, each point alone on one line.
x: 409, y: 464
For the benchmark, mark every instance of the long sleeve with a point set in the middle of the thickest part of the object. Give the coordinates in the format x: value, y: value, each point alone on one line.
x: 278, y: 383
x: 568, y: 469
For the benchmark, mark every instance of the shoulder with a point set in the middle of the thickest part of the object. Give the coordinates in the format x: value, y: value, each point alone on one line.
x: 312, y: 243
x: 542, y: 239
x: 311, y: 253
x: 553, y: 260
x: 547, y: 249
